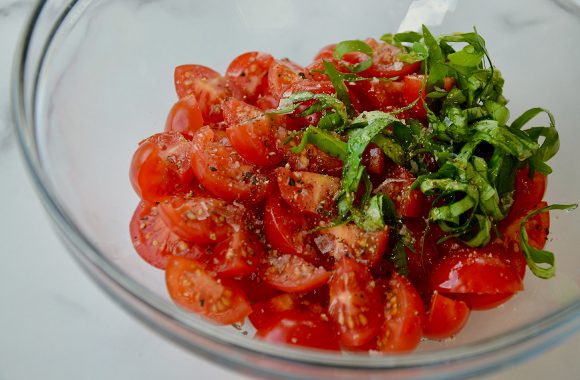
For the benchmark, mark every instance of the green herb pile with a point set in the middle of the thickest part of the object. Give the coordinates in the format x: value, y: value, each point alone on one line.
x: 468, y: 134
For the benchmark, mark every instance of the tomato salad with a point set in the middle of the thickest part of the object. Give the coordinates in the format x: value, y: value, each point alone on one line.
x: 363, y: 202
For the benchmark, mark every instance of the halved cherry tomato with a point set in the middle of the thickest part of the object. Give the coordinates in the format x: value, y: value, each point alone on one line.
x: 209, y: 88
x: 251, y: 133
x: 201, y: 220
x: 250, y: 72
x: 367, y: 247
x: 154, y: 241
x: 313, y: 159
x: 354, y: 303
x: 222, y: 171
x: 192, y: 287
x: 301, y: 328
x: 386, y: 64
x: 476, y: 276
x: 412, y: 89
x: 282, y: 73
x: 286, y: 230
x: 528, y: 191
x: 161, y: 166
x: 291, y: 273
x: 184, y: 117
x: 308, y: 192
x: 404, y: 316
x: 238, y: 255
x: 397, y: 186
x: 446, y: 317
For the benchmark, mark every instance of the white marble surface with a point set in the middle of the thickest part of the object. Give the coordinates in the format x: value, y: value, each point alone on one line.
x: 56, y: 324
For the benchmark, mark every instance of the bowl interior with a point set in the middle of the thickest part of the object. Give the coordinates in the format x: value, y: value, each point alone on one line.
x: 107, y: 83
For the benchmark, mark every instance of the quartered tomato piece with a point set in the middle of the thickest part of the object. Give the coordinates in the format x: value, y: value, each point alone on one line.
x: 301, y: 328
x: 154, y: 241
x: 481, y: 277
x: 184, y: 117
x: 291, y: 273
x: 528, y: 191
x: 354, y: 303
x: 238, y: 255
x: 282, y: 73
x: 209, y: 88
x: 201, y: 220
x: 396, y: 185
x: 250, y: 73
x: 286, y: 230
x: 194, y: 288
x: 446, y: 317
x: 366, y: 247
x: 161, y: 166
x: 379, y: 95
x: 219, y: 168
x: 313, y: 159
x: 386, y: 63
x: 412, y: 90
x: 537, y: 227
x: 308, y: 192
x: 404, y: 316
x: 251, y: 133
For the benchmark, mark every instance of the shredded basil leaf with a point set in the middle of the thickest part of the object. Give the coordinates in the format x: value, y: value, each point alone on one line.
x: 355, y: 46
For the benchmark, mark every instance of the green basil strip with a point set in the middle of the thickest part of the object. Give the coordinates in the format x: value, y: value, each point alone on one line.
x: 337, y: 81
x: 536, y: 257
x: 399, y: 257
x: 524, y: 118
x: 371, y: 217
x: 290, y: 103
x: 350, y: 46
x: 391, y: 149
x: 323, y: 140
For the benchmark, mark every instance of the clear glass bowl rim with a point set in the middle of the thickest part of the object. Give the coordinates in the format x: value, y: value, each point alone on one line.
x: 149, y: 307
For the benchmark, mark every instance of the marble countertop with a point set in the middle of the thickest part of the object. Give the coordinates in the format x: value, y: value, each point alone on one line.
x: 56, y: 324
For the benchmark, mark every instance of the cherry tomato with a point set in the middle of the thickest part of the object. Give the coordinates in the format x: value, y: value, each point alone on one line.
x: 192, y: 287
x: 301, y: 328
x: 251, y: 133
x: 291, y: 273
x: 281, y: 75
x: 397, y: 186
x: 238, y: 255
x: 537, y: 227
x: 528, y: 191
x: 367, y: 247
x: 222, y: 171
x: 424, y: 255
x: 308, y: 192
x: 250, y: 72
x: 412, y: 89
x: 446, y: 317
x: 255, y: 288
x: 379, y: 95
x: 478, y: 272
x: 404, y: 316
x: 386, y: 64
x: 185, y: 117
x: 161, y: 166
x: 374, y: 160
x: 313, y: 159
x: 354, y: 303
x: 208, y: 86
x: 154, y: 241
x: 286, y: 230
x: 326, y: 53
x: 201, y: 220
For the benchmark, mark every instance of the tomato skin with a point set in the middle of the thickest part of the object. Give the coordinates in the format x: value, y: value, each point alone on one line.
x: 404, y: 314
x: 398, y: 181
x: 293, y: 274
x: 312, y: 193
x: 446, y: 317
x: 528, y: 192
x: 238, y: 255
x: 251, y: 133
x: 350, y: 240
x: 208, y: 86
x: 154, y: 241
x: 478, y: 272
x: 281, y: 75
x: 301, y: 328
x: 192, y: 287
x: 250, y: 73
x: 412, y: 89
x: 221, y: 170
x: 201, y: 220
x: 354, y: 303
x: 184, y: 117
x: 284, y: 229
x: 161, y: 166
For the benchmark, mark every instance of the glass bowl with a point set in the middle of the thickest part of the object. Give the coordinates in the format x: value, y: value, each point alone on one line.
x: 92, y: 78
